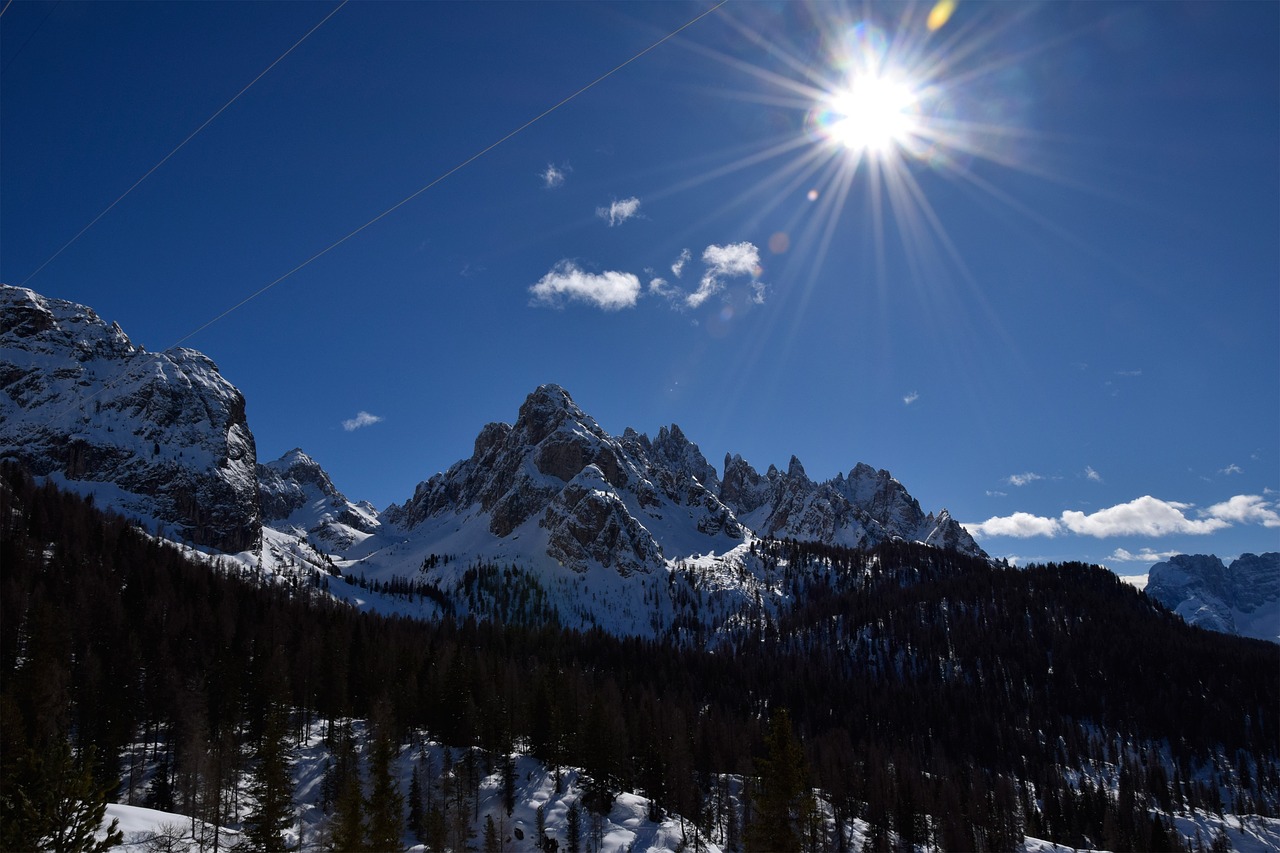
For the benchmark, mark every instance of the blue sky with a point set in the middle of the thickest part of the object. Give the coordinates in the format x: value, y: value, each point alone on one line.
x: 1045, y: 296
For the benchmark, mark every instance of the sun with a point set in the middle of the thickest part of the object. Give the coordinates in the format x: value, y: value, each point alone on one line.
x: 873, y: 114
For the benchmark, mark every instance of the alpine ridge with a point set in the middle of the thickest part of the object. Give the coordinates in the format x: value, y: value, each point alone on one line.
x: 84, y: 405
x: 163, y: 437
x: 1242, y: 598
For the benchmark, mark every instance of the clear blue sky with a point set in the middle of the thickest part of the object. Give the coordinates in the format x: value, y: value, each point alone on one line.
x: 1054, y: 291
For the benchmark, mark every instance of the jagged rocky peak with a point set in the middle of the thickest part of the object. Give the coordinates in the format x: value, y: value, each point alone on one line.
x: 1242, y: 598
x: 676, y: 452
x: 83, y: 403
x: 867, y: 507
x: 743, y: 488
x: 597, y: 499
x: 300, y: 467
x: 298, y: 496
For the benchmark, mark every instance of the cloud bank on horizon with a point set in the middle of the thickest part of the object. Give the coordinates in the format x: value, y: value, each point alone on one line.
x: 1144, y: 516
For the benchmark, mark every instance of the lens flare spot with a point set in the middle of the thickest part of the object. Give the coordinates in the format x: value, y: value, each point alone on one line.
x: 940, y: 14
x: 812, y: 195
x: 779, y: 242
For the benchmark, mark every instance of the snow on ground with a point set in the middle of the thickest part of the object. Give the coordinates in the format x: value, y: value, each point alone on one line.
x: 626, y: 827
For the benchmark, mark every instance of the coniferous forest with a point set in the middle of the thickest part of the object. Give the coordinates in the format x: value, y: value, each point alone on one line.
x: 946, y: 702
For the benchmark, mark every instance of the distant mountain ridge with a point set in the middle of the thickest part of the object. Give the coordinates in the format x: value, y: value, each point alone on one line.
x: 163, y: 436
x: 1242, y: 598
x: 83, y: 403
x: 629, y: 503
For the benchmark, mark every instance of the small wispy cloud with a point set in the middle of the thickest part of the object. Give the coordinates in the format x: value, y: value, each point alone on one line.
x: 659, y: 286
x: 678, y: 266
x: 1233, y: 468
x: 1128, y: 373
x: 609, y: 291
x: 1023, y: 479
x: 725, y: 262
x: 910, y: 398
x: 1091, y: 474
x: 1144, y: 555
x: 619, y: 212
x: 996, y: 493
x: 361, y: 420
x: 553, y: 176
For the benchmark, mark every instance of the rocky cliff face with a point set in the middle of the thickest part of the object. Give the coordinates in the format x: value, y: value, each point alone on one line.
x: 1243, y: 598
x: 628, y: 503
x: 599, y: 499
x: 860, y: 510
x: 81, y: 402
x: 297, y: 496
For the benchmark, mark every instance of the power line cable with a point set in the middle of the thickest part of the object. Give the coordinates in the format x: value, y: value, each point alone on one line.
x: 180, y: 145
x: 456, y: 168
x: 397, y: 205
x: 30, y: 35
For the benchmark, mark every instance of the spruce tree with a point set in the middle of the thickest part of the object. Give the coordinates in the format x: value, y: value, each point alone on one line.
x: 385, y: 803
x: 54, y: 803
x: 783, y: 800
x: 272, y: 787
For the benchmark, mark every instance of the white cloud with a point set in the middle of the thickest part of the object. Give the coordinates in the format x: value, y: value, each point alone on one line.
x: 1022, y: 479
x: 728, y: 261
x: 659, y: 286
x: 1128, y: 373
x: 619, y: 211
x: 911, y: 398
x: 610, y: 291
x: 1020, y: 525
x: 678, y: 266
x: 996, y: 493
x: 1233, y: 468
x: 1145, y: 555
x: 362, y: 419
x: 1091, y: 474
x: 1144, y: 516
x: 553, y: 177
x: 1245, y: 509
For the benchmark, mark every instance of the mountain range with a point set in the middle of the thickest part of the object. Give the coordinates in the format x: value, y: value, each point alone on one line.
x: 163, y: 437
x: 598, y: 520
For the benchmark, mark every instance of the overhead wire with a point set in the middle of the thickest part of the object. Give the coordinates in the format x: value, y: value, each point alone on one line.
x: 30, y: 35
x: 181, y: 144
x: 383, y: 214
x: 445, y: 175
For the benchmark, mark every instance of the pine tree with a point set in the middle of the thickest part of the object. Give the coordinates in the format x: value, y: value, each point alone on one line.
x: 272, y: 788
x: 55, y: 804
x: 346, y: 825
x: 491, y: 841
x: 385, y: 803
x: 417, y: 818
x: 573, y: 828
x: 782, y: 802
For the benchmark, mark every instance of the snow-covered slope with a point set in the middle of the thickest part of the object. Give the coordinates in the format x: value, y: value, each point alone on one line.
x: 860, y: 510
x: 1243, y: 598
x: 598, y: 523
x: 572, y: 494
x: 298, y: 497
x: 163, y: 433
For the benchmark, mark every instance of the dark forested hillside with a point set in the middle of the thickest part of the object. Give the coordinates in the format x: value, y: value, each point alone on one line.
x: 938, y: 697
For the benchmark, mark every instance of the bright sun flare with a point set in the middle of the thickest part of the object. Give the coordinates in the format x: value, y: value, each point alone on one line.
x: 874, y: 115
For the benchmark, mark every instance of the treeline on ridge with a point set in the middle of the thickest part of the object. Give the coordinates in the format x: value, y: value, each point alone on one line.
x: 937, y: 697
